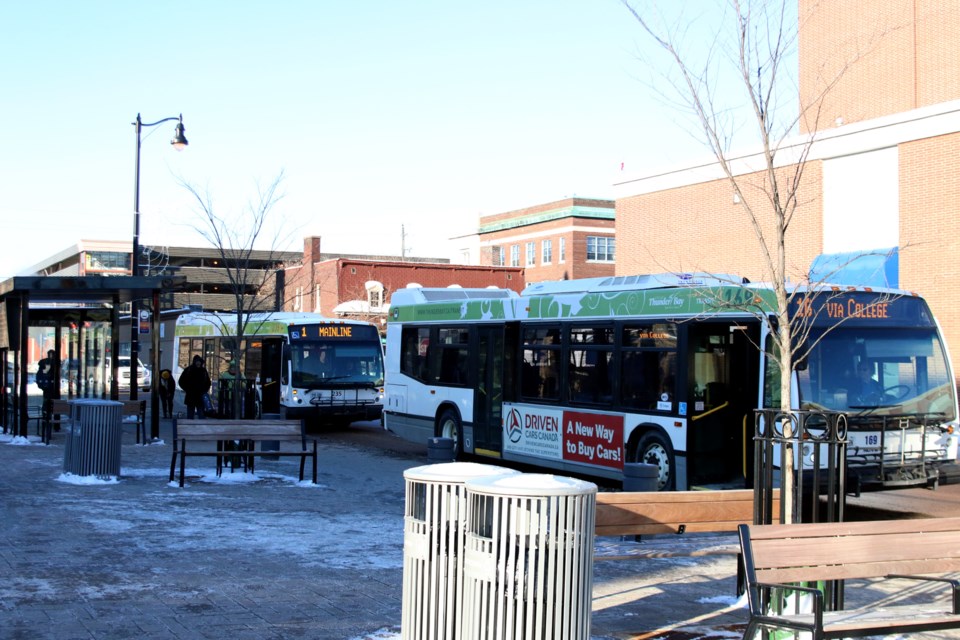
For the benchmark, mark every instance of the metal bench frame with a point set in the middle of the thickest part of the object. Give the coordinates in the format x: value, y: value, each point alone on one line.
x: 779, y: 559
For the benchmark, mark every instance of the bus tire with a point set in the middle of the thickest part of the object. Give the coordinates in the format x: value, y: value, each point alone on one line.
x: 449, y: 426
x: 653, y: 448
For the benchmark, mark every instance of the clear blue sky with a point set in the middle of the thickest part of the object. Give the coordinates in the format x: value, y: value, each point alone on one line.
x: 424, y: 114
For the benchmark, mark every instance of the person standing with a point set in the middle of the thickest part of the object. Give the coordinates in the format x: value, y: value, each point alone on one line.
x: 226, y: 387
x: 167, y: 388
x: 195, y: 382
x: 48, y: 380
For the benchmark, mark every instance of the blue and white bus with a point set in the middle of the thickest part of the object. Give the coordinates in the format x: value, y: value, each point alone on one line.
x: 333, y: 372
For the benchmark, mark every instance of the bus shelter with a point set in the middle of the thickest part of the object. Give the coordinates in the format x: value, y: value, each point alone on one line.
x: 79, y: 319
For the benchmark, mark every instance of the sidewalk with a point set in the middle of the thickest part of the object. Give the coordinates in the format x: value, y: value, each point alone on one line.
x: 269, y: 557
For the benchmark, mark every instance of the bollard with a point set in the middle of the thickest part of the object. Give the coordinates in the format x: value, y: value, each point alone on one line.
x: 440, y: 450
x: 639, y: 476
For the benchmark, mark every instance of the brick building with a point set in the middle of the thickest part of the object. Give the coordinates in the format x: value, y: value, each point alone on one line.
x: 884, y: 170
x: 360, y: 287
x: 566, y: 239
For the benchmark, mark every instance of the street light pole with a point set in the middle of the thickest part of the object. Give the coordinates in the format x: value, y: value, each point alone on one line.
x: 178, y: 142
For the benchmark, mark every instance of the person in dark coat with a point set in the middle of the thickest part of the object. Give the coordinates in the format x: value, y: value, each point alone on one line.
x: 195, y: 382
x: 48, y: 379
x: 167, y: 388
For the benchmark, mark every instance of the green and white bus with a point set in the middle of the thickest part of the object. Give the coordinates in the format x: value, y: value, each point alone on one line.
x: 583, y: 376
x: 279, y: 357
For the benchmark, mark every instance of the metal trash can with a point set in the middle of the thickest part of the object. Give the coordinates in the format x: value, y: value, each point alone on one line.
x: 528, y: 561
x: 434, y: 529
x: 94, y: 441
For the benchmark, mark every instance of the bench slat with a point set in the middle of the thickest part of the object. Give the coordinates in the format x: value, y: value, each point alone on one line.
x: 239, y: 434
x: 832, y: 529
x: 868, y: 553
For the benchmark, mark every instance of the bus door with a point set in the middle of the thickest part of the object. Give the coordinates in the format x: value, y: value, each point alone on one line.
x: 488, y: 391
x: 722, y: 380
x: 270, y: 362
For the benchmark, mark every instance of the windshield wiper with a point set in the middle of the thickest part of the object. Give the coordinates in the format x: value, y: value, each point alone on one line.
x: 872, y: 406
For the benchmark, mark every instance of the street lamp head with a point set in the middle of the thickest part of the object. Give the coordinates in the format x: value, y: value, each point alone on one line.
x: 179, y: 140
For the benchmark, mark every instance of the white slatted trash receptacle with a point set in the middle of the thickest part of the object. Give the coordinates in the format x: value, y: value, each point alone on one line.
x: 528, y: 562
x: 94, y: 441
x: 434, y: 530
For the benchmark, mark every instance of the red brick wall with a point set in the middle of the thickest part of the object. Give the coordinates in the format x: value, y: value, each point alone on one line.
x: 342, y: 280
x: 929, y: 227
x: 890, y: 55
x: 700, y: 228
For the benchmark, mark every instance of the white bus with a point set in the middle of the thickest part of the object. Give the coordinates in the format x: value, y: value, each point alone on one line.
x: 333, y: 372
x: 584, y: 376
x: 275, y: 362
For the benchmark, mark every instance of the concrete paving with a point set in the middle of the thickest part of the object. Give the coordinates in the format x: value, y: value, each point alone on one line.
x: 273, y: 558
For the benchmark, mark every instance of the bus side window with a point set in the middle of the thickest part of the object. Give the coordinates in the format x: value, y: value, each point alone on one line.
x: 414, y: 345
x: 529, y: 378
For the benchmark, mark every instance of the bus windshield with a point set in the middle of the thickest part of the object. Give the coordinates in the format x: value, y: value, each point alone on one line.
x: 880, y: 371
x: 319, y: 365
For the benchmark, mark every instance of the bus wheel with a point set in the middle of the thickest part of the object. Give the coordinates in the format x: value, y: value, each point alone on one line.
x: 449, y: 427
x: 652, y: 448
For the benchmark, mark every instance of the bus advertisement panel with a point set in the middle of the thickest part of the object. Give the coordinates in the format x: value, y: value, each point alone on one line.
x: 557, y: 434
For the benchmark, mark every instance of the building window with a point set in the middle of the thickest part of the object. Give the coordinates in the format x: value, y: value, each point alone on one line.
x: 316, y: 298
x: 601, y: 249
x: 563, y: 250
x: 496, y: 256
x: 531, y: 254
x: 547, y: 248
x: 374, y: 294
x: 515, y: 255
x: 298, y: 299
x: 100, y: 261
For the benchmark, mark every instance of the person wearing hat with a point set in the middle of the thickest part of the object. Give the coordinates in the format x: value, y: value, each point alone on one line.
x: 195, y: 382
x: 167, y: 388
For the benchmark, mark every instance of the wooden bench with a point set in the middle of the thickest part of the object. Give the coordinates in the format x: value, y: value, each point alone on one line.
x: 136, y: 408
x: 773, y: 555
x: 644, y: 513
x: 247, y: 432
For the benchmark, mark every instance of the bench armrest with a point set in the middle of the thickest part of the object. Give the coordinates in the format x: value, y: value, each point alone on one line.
x: 954, y: 586
x: 815, y: 593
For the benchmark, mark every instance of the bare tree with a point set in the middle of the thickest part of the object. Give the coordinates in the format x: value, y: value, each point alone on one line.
x: 251, y: 272
x: 736, y: 85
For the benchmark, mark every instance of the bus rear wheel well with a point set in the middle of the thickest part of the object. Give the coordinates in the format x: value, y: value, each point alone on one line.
x: 448, y: 424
